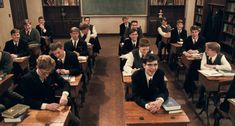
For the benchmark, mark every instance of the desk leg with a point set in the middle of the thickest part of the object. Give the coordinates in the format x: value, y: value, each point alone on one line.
x: 205, y: 107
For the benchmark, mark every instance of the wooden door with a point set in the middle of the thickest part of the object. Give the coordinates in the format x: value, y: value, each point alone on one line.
x: 19, y: 12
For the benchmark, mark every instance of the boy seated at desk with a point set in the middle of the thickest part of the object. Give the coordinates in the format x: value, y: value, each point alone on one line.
x: 66, y: 62
x: 136, y: 56
x: 128, y: 45
x: 193, y: 44
x: 148, y: 85
x: 75, y: 44
x: 38, y: 88
x: 212, y: 59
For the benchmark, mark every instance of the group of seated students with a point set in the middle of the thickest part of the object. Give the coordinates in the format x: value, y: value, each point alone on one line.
x: 148, y: 87
x: 36, y: 86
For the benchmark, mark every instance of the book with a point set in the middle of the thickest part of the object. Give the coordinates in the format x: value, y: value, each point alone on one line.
x: 171, y: 104
x: 17, y: 119
x: 15, y: 111
x: 175, y: 111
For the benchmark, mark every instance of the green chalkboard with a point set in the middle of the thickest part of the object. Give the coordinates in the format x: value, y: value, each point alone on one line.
x: 114, y: 7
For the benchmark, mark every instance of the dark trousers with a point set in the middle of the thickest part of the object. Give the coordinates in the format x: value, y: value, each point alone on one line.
x: 160, y: 46
x: 73, y: 120
x: 191, y: 76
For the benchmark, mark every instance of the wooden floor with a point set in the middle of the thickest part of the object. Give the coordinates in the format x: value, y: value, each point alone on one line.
x: 105, y: 97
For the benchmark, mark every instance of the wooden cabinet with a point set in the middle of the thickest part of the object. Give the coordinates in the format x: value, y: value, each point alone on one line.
x: 61, y: 15
x: 171, y: 9
x: 228, y: 30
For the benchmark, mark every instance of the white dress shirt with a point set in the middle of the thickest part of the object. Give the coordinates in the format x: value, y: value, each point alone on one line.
x: 224, y: 63
x: 94, y: 33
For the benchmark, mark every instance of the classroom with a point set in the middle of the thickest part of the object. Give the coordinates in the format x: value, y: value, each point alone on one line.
x: 117, y: 62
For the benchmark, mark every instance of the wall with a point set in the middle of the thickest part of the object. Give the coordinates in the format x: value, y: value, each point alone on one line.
x: 189, y: 14
x: 110, y: 25
x: 34, y: 8
x: 6, y: 23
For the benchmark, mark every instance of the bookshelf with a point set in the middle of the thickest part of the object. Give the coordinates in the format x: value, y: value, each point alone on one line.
x: 171, y: 9
x: 228, y: 30
x: 199, y: 12
x: 61, y: 15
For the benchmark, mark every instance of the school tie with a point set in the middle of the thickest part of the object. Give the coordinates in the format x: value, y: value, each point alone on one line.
x: 84, y: 37
x: 150, y: 82
x: 210, y: 61
x: 27, y: 33
x: 134, y: 45
x: 74, y: 44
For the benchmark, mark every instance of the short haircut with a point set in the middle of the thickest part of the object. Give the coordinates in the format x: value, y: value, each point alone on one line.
x: 83, y: 26
x: 55, y: 45
x: 214, y: 46
x: 45, y: 62
x: 195, y: 27
x: 180, y: 21
x: 74, y: 29
x: 134, y: 21
x: 150, y: 58
x: 164, y: 19
x: 26, y: 22
x: 13, y: 31
x: 144, y: 42
x: 125, y: 17
x: 132, y: 31
x: 41, y: 17
x: 86, y: 18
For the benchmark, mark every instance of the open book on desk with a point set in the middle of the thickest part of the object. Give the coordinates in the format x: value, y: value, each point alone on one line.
x: 69, y: 78
x: 216, y: 73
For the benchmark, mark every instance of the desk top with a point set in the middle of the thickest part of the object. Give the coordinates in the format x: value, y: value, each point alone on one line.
x: 232, y: 101
x: 133, y: 112
x: 82, y: 59
x: 21, y: 59
x: 77, y: 80
x: 5, y: 83
x: 43, y: 117
x: 127, y: 79
x: 176, y: 45
x: 217, y: 78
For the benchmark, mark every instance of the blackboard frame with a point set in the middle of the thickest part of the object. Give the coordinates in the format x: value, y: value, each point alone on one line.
x: 104, y: 15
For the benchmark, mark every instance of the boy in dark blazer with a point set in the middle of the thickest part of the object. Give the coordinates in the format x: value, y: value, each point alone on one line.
x: 75, y: 44
x: 16, y: 46
x: 179, y: 34
x: 122, y: 27
x: 194, y: 44
x: 131, y: 43
x: 66, y: 62
x: 148, y: 86
x: 37, y: 87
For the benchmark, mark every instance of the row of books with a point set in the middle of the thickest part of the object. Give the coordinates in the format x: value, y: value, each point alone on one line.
x: 167, y: 2
x: 171, y: 106
x: 61, y: 2
x: 230, y: 29
x: 199, y: 11
x: 231, y: 7
x: 198, y: 19
x: 15, y: 114
x: 200, y: 2
x: 231, y: 18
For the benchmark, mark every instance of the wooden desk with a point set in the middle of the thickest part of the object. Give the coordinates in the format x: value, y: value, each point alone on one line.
x: 23, y: 62
x: 187, y: 61
x: 232, y: 109
x: 175, y: 48
x: 212, y: 85
x: 45, y: 117
x: 133, y: 112
x: 6, y: 83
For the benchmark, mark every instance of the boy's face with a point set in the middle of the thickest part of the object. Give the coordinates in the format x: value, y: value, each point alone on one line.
x: 195, y: 33
x: 134, y: 36
x: 179, y: 25
x: 15, y: 37
x: 151, y: 67
x: 74, y: 35
x: 210, y: 52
